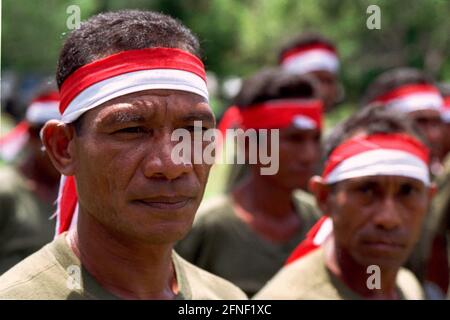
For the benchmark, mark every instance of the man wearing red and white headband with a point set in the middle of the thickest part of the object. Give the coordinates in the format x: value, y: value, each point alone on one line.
x: 29, y: 184
x: 374, y: 191
x: 246, y: 235
x: 313, y: 54
x: 127, y: 80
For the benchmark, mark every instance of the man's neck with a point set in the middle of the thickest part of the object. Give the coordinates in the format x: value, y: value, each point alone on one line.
x: 267, y: 210
x: 263, y: 198
x: 356, y: 276
x: 126, y: 268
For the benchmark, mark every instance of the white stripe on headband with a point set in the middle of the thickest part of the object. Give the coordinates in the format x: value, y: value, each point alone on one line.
x: 131, y: 82
x: 416, y: 101
x: 312, y: 60
x: 41, y: 112
x: 386, y: 162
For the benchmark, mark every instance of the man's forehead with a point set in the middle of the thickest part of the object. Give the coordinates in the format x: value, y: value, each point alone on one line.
x: 145, y: 105
x: 425, y: 114
x: 382, y: 179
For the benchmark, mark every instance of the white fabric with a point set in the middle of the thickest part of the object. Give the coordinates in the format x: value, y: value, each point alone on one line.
x: 416, y: 102
x: 312, y: 60
x: 131, y: 82
x: 385, y: 162
x: 324, y: 232
x: 304, y: 123
x: 41, y: 112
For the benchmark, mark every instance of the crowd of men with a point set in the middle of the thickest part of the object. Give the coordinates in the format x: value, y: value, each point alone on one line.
x: 92, y: 192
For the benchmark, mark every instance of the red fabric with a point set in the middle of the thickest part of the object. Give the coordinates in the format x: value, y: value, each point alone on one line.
x: 230, y: 119
x: 124, y: 62
x: 271, y: 114
x: 52, y: 96
x: 303, y: 49
x: 359, y: 144
x: 18, y: 131
x: 406, y: 90
x: 307, y: 245
x: 447, y: 102
x: 67, y: 205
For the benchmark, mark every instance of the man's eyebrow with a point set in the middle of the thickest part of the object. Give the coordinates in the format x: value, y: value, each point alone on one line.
x: 199, y: 116
x: 122, y: 117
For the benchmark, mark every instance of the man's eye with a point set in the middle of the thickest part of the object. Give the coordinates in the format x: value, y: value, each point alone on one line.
x: 196, y: 128
x: 407, y: 190
x: 132, y: 130
x: 367, y: 190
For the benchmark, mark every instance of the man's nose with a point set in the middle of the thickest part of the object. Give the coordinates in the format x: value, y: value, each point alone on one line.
x: 388, y: 216
x: 160, y: 162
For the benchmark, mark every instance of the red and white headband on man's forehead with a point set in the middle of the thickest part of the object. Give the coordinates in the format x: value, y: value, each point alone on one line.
x: 45, y: 107
x: 41, y: 109
x: 128, y: 72
x: 378, y: 154
x: 114, y: 76
x: 275, y: 114
x: 315, y: 57
x: 412, y: 97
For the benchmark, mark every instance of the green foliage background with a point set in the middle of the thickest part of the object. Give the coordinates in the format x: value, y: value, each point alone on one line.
x: 240, y: 36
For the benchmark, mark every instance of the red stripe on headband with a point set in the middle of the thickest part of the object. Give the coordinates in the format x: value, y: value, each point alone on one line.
x: 48, y: 97
x: 360, y: 144
x: 128, y: 61
x: 406, y: 91
x: 447, y: 102
x: 271, y: 115
x: 281, y: 114
x: 304, y: 49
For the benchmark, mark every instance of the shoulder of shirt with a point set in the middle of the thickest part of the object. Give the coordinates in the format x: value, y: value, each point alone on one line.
x: 303, y: 199
x: 207, y: 286
x: 32, y: 278
x: 409, y: 285
x: 11, y: 180
x: 214, y: 210
x: 301, y: 279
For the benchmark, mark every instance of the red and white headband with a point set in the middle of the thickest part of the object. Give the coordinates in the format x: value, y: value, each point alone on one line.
x: 127, y: 72
x: 378, y: 154
x: 275, y: 114
x: 43, y: 108
x: 315, y: 57
x: 445, y: 112
x: 412, y: 97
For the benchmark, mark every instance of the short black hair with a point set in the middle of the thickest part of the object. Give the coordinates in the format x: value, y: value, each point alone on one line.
x: 392, y: 79
x: 275, y: 83
x: 371, y: 120
x: 302, y: 40
x: 112, y: 32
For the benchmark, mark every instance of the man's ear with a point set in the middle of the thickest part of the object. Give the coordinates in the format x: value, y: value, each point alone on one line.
x: 321, y: 192
x: 57, y: 138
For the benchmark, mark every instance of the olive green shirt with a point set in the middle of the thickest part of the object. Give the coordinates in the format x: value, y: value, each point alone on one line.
x: 56, y: 273
x: 309, y: 279
x: 223, y: 244
x: 25, y: 224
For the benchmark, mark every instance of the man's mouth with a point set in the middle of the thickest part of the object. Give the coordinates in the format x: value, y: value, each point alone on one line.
x: 165, y: 203
x: 384, y: 245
